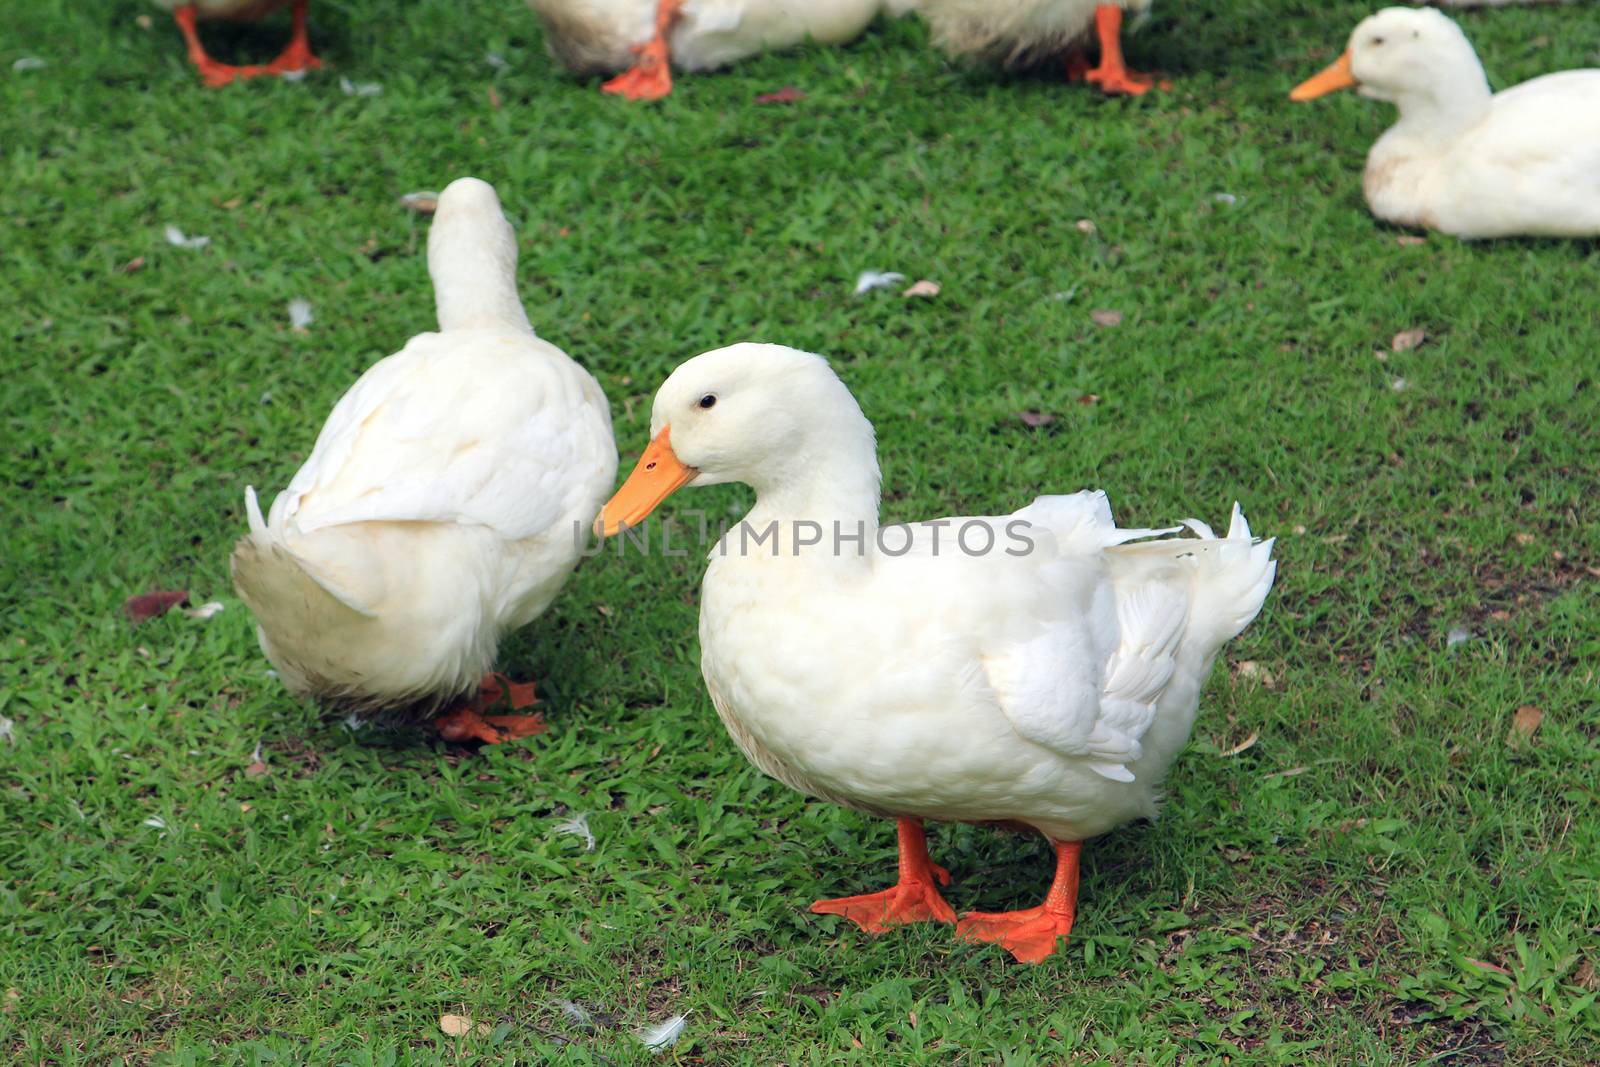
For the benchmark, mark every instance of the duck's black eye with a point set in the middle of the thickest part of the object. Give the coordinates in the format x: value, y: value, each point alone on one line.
x: 1376, y: 41
x: 709, y: 400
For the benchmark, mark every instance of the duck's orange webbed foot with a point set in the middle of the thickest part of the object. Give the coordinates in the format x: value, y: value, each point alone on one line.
x: 650, y: 77
x: 470, y: 724
x: 296, y: 56
x: 915, y: 898
x: 214, y: 74
x: 1113, y: 75
x: 1031, y: 934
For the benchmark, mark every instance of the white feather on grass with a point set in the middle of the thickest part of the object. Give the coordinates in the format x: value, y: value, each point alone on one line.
x: 576, y: 1013
x: 351, y: 88
x: 300, y: 313
x: 869, y: 280
x: 7, y: 729
x: 663, y: 1035
x: 578, y: 826
x: 204, y: 611
x: 178, y: 239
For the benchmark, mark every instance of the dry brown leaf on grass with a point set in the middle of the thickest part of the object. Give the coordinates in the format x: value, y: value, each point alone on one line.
x: 1106, y: 317
x: 1406, y: 340
x: 922, y: 288
x: 1524, y: 722
x: 461, y: 1025
x: 494, y: 98
x: 787, y: 95
x: 134, y: 264
x: 1410, y: 239
x: 1035, y: 419
x: 147, y: 606
x: 1089, y: 398
x: 1249, y: 668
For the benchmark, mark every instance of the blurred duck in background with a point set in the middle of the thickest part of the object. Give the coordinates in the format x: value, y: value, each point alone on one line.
x: 1463, y: 160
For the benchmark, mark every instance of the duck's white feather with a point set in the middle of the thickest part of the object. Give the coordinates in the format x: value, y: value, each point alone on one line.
x: 444, y: 501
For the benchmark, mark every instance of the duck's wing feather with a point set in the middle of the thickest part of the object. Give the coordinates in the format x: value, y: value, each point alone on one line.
x: 454, y: 429
x: 1084, y: 677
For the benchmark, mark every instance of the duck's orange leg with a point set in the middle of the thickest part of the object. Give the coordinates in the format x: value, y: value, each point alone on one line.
x: 650, y: 77
x: 215, y: 74
x: 1112, y: 75
x: 468, y: 723
x: 913, y: 899
x: 297, y: 55
x: 1030, y: 934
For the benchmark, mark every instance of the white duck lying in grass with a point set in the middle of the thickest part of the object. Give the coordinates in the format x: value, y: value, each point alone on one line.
x: 294, y: 59
x: 1030, y: 669
x: 1029, y: 32
x: 442, y: 506
x: 1461, y: 160
x: 645, y: 39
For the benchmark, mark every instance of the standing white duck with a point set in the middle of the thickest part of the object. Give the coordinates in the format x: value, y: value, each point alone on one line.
x: 1028, y: 32
x: 294, y: 59
x: 443, y: 504
x: 1461, y: 160
x: 1030, y: 669
x: 646, y: 38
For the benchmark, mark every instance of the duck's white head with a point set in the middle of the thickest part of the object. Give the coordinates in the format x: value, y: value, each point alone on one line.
x: 766, y: 415
x: 1406, y: 56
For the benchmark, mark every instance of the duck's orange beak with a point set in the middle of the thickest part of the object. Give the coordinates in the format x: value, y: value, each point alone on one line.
x: 657, y: 476
x: 1335, y: 77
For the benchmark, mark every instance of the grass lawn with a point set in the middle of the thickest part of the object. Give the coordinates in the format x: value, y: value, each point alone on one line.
x: 1388, y: 874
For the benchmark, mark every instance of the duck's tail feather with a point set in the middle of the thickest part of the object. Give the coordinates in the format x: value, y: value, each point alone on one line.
x: 1231, y: 577
x: 276, y: 581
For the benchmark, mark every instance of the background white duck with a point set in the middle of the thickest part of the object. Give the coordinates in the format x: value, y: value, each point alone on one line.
x: 646, y: 38
x: 443, y: 505
x: 1027, y: 32
x: 1029, y: 668
x: 1460, y: 160
x: 296, y: 56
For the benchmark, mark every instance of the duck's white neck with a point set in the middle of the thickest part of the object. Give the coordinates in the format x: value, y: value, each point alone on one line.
x: 1456, y: 100
x: 472, y: 258
x: 822, y: 503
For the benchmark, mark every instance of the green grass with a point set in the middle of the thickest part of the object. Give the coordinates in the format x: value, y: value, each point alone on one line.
x: 1331, y: 894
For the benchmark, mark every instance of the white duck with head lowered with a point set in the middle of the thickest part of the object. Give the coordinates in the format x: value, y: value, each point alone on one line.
x: 1463, y: 160
x: 1034, y: 668
x: 443, y: 505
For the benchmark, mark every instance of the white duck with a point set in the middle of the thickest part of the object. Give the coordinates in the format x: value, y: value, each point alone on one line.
x: 646, y: 38
x: 1030, y: 668
x: 444, y: 504
x: 1462, y: 160
x: 1027, y: 32
x: 295, y: 58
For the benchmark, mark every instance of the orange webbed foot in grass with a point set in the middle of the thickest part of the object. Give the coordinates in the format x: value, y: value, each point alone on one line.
x: 650, y: 77
x: 1031, y: 934
x: 914, y: 898
x: 470, y: 724
x: 1112, y: 75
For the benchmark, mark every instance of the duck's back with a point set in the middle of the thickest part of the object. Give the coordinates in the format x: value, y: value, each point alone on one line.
x: 1531, y: 166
